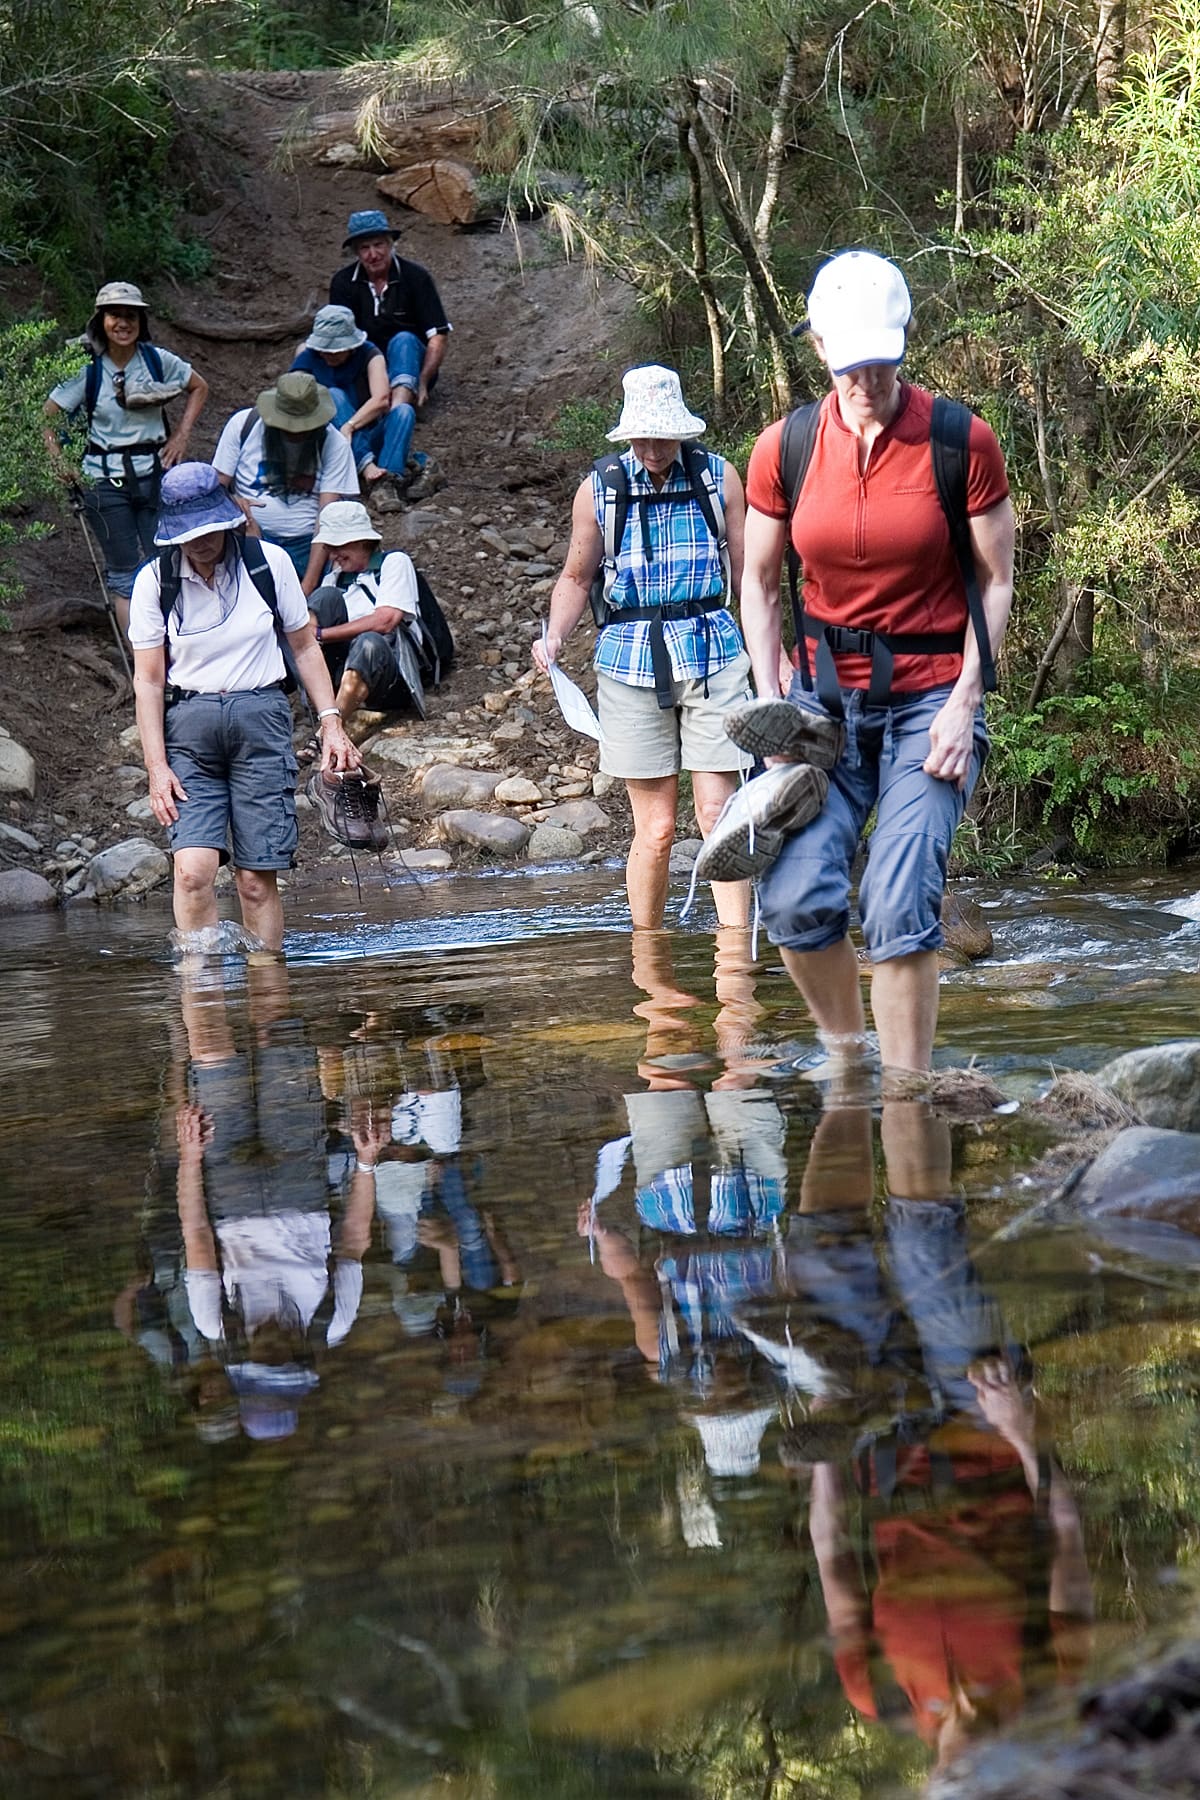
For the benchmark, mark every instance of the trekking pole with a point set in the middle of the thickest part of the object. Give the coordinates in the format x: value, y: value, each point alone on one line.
x: 94, y: 552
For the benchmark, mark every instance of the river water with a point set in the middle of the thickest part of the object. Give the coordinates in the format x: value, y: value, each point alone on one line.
x: 657, y: 1420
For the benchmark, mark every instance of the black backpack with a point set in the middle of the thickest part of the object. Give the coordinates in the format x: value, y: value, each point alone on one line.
x: 436, y: 649
x: 949, y: 436
x: 614, y: 481
x: 259, y: 570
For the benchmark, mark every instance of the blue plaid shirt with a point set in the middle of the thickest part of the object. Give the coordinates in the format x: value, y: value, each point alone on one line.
x: 681, y: 564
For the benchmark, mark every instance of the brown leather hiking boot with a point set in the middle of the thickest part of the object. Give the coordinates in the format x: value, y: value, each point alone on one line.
x: 348, y: 807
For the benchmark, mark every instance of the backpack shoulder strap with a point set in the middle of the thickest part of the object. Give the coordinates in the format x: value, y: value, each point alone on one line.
x: 614, y: 483
x: 259, y: 570
x: 169, y: 582
x: 796, y: 444
x: 152, y: 357
x: 91, y: 386
x: 248, y: 424
x: 949, y: 449
x: 708, y: 498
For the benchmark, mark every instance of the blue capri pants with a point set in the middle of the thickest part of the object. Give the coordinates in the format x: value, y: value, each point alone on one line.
x: 805, y: 895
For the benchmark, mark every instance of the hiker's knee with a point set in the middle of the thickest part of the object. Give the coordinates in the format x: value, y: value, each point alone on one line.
x: 255, y: 886
x: 328, y: 606
x: 195, y: 872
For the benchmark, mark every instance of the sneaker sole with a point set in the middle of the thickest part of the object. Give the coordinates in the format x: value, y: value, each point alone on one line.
x: 777, y: 728
x: 740, y: 847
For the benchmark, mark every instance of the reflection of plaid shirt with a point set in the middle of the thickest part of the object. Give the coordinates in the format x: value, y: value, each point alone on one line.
x: 668, y: 555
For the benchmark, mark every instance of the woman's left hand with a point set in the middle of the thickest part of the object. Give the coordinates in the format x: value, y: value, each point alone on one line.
x: 337, y: 752
x: 174, y: 450
x: 952, y: 742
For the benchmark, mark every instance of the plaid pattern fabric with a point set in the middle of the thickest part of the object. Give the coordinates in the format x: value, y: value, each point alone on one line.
x: 682, y: 564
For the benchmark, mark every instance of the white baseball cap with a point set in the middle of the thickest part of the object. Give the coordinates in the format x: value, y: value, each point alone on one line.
x: 859, y: 306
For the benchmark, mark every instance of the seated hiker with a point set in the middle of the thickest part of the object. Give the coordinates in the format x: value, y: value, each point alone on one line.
x: 120, y: 392
x: 368, y: 620
x: 344, y: 360
x: 283, y: 459
x: 397, y: 304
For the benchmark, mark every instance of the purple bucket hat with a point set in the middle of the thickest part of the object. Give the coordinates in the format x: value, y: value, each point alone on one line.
x: 192, y: 502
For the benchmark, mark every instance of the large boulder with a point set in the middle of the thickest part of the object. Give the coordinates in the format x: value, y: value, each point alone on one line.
x: 441, y: 188
x: 499, y: 833
x: 445, y: 785
x: 1142, y: 1194
x: 23, y: 890
x: 582, y: 816
x: 128, y: 870
x: 18, y: 771
x: 1161, y: 1084
x: 417, y: 749
x: 964, y: 927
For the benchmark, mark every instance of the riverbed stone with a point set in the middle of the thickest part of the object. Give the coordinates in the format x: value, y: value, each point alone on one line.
x: 518, y: 790
x: 24, y: 890
x: 583, y: 816
x: 416, y: 750
x: 141, y: 811
x: 1161, y: 1083
x: 964, y: 927
x: 684, y: 853
x: 128, y: 870
x: 446, y: 785
x: 22, y: 840
x: 18, y: 771
x: 428, y: 860
x: 554, y: 843
x: 497, y: 832
x: 1146, y: 1171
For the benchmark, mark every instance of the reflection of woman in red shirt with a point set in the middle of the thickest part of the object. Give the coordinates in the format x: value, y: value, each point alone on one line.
x: 878, y: 559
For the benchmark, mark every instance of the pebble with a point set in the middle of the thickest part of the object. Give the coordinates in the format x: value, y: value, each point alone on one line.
x: 518, y: 790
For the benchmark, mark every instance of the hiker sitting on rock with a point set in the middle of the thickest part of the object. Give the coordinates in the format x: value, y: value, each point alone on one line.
x: 283, y: 459
x: 120, y: 394
x: 344, y: 360
x: 398, y: 306
x: 661, y: 525
x: 367, y: 621
x: 207, y: 622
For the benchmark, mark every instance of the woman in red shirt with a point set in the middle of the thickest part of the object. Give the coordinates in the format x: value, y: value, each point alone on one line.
x: 878, y: 558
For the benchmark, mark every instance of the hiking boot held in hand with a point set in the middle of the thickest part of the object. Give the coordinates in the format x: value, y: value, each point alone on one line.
x: 749, y: 834
x: 777, y: 728
x: 348, y: 807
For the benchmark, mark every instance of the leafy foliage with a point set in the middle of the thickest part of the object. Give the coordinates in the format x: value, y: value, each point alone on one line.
x: 32, y: 365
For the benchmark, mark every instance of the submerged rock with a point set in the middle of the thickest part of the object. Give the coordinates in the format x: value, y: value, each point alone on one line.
x: 964, y: 927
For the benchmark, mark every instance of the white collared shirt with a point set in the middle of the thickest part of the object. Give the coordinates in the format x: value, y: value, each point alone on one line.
x: 222, y: 638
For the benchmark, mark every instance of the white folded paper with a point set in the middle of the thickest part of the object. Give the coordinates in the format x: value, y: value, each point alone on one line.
x: 573, y: 703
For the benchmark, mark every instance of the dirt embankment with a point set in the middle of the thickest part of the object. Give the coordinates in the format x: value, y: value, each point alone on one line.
x: 531, y: 332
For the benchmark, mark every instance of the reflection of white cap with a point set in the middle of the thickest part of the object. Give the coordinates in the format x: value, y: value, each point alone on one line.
x: 731, y: 1440
x: 433, y: 1119
x: 859, y: 307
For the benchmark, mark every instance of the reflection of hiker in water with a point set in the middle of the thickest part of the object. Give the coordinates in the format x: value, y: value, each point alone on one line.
x: 268, y: 1282
x: 710, y: 1179
x: 949, y: 1547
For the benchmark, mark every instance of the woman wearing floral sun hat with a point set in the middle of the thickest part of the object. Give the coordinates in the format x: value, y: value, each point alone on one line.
x: 215, y: 723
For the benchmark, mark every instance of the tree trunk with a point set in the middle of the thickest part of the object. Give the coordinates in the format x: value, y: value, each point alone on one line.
x: 1110, y: 51
x: 708, y: 295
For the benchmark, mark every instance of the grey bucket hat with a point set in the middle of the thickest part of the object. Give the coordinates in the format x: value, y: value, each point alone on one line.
x: 297, y: 402
x: 115, y: 293
x: 334, y: 328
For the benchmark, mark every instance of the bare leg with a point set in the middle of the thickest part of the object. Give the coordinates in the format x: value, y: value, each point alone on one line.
x: 710, y: 790
x: 351, y: 693
x: 917, y: 1151
x: 262, y: 909
x: 647, y: 871
x: 904, y: 1001
x: 194, y: 897
x: 829, y: 981
x: 839, y: 1175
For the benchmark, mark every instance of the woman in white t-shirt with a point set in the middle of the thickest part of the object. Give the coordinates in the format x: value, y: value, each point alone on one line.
x: 121, y: 391
x: 367, y: 621
x: 215, y: 723
x: 283, y: 459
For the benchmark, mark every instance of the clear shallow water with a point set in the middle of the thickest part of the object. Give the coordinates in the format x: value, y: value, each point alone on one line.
x: 520, y: 1468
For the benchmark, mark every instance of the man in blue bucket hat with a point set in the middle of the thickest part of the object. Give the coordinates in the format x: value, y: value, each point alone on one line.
x: 398, y: 306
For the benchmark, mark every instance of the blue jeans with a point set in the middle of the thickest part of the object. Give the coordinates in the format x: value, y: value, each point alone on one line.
x: 123, y: 514
x: 385, y: 441
x: 805, y: 894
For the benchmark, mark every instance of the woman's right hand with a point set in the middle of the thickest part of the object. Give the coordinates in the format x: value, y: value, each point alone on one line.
x: 545, y: 651
x: 165, y: 789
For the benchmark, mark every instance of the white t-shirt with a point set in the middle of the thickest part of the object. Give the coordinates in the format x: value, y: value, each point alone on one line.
x: 222, y: 638
x: 114, y: 425
x: 393, y: 584
x: 275, y: 1266
x: 283, y: 515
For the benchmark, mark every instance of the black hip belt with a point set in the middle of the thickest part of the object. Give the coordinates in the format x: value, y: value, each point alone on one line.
x: 654, y: 616
x: 149, y: 448
x: 173, y: 695
x: 881, y: 646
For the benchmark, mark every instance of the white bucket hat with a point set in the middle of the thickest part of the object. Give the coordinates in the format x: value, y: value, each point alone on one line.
x: 859, y: 306
x: 345, y: 522
x: 653, y: 407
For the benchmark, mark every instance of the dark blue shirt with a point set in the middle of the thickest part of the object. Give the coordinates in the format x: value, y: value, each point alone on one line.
x: 351, y: 376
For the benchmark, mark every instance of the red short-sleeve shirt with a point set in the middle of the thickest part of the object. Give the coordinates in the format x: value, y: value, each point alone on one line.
x: 876, y: 547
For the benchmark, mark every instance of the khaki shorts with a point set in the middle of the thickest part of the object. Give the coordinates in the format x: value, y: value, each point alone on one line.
x: 641, y: 741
